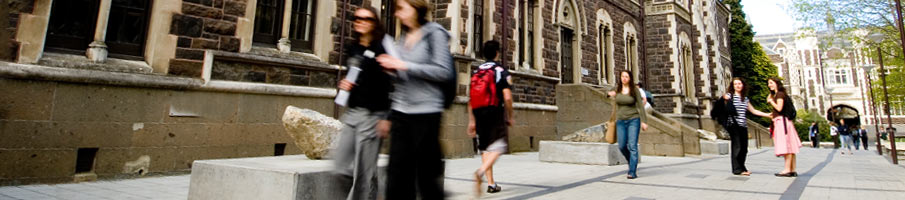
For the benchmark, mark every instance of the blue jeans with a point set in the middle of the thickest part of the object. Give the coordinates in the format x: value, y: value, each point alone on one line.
x: 847, y: 141
x: 627, y: 137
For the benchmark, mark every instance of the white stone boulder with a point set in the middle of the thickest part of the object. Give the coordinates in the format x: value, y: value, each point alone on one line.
x: 313, y: 132
x: 707, y: 135
x: 596, y: 133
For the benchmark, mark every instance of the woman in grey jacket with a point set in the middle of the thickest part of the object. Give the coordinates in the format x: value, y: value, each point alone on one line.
x: 421, y: 64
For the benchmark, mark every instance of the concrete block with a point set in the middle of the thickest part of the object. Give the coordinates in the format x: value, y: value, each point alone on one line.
x: 26, y: 100
x: 278, y: 178
x: 718, y: 147
x: 202, y: 106
x: 581, y: 153
x: 107, y: 104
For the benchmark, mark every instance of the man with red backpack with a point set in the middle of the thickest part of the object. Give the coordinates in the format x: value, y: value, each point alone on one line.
x: 490, y: 113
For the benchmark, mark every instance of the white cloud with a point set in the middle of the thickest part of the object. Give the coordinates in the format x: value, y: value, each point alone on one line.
x: 768, y: 16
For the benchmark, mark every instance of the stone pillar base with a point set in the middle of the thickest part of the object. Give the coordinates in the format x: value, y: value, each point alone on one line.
x: 283, y: 45
x: 97, y: 52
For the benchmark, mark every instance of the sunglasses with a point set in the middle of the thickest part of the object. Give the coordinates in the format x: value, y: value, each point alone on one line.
x: 358, y: 18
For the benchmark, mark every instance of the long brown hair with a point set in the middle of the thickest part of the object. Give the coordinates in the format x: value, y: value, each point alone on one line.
x: 631, y: 84
x: 422, y: 9
x: 779, y: 87
x: 742, y: 93
x: 377, y: 32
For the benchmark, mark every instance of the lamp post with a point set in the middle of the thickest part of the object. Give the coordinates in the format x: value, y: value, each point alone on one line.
x: 867, y: 69
x: 892, y: 134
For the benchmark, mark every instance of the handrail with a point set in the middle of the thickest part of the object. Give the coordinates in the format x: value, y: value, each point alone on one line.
x: 657, y: 120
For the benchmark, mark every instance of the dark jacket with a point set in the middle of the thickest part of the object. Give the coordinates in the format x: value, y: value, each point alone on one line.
x: 724, y: 112
x: 373, y: 87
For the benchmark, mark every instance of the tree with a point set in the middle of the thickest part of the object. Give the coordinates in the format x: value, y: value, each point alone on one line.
x: 869, y: 24
x: 748, y: 60
x: 805, y: 118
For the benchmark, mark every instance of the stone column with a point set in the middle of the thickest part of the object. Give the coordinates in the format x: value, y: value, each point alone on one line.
x: 284, y: 45
x: 97, y: 50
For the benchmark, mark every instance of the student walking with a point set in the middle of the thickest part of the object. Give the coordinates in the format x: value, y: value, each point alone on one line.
x: 814, y: 133
x: 364, y: 122
x: 785, y: 139
x: 490, y: 113
x: 856, y: 137
x: 845, y: 136
x: 863, y: 137
x: 630, y: 117
x: 423, y: 67
x: 737, y: 105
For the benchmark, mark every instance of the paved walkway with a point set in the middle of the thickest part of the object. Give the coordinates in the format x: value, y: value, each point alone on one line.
x: 824, y: 174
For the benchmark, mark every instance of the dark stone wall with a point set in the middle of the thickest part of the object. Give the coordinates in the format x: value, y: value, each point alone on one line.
x: 9, y: 47
x: 204, y: 25
x: 658, y: 52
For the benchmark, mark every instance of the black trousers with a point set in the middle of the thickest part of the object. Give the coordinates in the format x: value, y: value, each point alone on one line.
x: 738, y: 137
x: 815, y: 141
x: 416, y: 163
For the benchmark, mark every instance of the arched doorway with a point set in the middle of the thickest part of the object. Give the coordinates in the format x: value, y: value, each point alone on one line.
x: 844, y: 112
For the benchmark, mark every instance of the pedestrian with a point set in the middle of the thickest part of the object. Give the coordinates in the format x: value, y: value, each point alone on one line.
x: 814, y: 133
x: 646, y: 95
x: 856, y: 137
x: 630, y: 117
x: 364, y: 121
x: 737, y: 106
x: 490, y: 113
x: 863, y: 137
x: 422, y: 66
x: 845, y: 136
x: 785, y: 139
x: 834, y: 132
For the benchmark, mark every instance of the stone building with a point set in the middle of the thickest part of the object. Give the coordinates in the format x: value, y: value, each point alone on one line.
x: 111, y: 87
x: 826, y: 72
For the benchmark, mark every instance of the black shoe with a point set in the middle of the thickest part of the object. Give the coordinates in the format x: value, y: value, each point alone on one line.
x: 494, y: 189
x: 788, y: 174
x: 793, y: 174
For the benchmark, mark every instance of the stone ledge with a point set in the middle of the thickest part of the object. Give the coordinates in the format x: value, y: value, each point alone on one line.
x: 278, y: 177
x: 581, y: 153
x: 718, y: 147
x: 36, y: 72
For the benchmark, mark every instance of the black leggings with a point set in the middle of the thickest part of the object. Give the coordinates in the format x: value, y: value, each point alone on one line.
x: 738, y: 136
x: 415, y: 157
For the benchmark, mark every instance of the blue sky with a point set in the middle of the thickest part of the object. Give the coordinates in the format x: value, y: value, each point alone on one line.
x: 768, y: 16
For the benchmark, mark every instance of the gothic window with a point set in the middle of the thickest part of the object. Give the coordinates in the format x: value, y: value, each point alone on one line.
x: 688, y: 67
x: 127, y: 28
x: 301, y: 26
x: 269, y: 18
x: 478, y: 26
x: 631, y: 56
x: 605, y: 38
x: 526, y: 33
x: 268, y: 22
x: 70, y: 29
x: 388, y: 10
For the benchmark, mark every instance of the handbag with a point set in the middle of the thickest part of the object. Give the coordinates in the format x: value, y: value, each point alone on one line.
x: 611, y: 126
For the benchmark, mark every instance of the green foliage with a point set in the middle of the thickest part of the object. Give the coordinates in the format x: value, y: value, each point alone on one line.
x: 749, y: 61
x: 877, y: 18
x: 805, y: 118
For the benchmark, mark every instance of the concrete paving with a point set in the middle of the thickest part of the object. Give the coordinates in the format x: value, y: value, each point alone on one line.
x: 824, y: 174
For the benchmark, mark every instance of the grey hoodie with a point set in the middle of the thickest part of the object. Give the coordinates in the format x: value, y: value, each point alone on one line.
x: 418, y: 89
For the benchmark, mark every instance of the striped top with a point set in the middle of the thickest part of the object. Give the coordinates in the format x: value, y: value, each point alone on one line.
x: 741, y: 107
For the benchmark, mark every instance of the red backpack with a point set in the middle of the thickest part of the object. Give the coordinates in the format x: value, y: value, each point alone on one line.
x: 483, y: 88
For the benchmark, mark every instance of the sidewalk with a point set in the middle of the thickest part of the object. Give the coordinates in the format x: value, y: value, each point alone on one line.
x: 824, y: 174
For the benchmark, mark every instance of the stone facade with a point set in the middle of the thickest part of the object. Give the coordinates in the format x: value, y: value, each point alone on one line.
x: 823, y: 75
x: 204, y: 87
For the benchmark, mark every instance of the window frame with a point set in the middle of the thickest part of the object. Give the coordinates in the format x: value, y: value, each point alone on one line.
x: 478, y: 28
x: 66, y: 43
x: 263, y: 39
x: 300, y: 44
x: 123, y: 50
